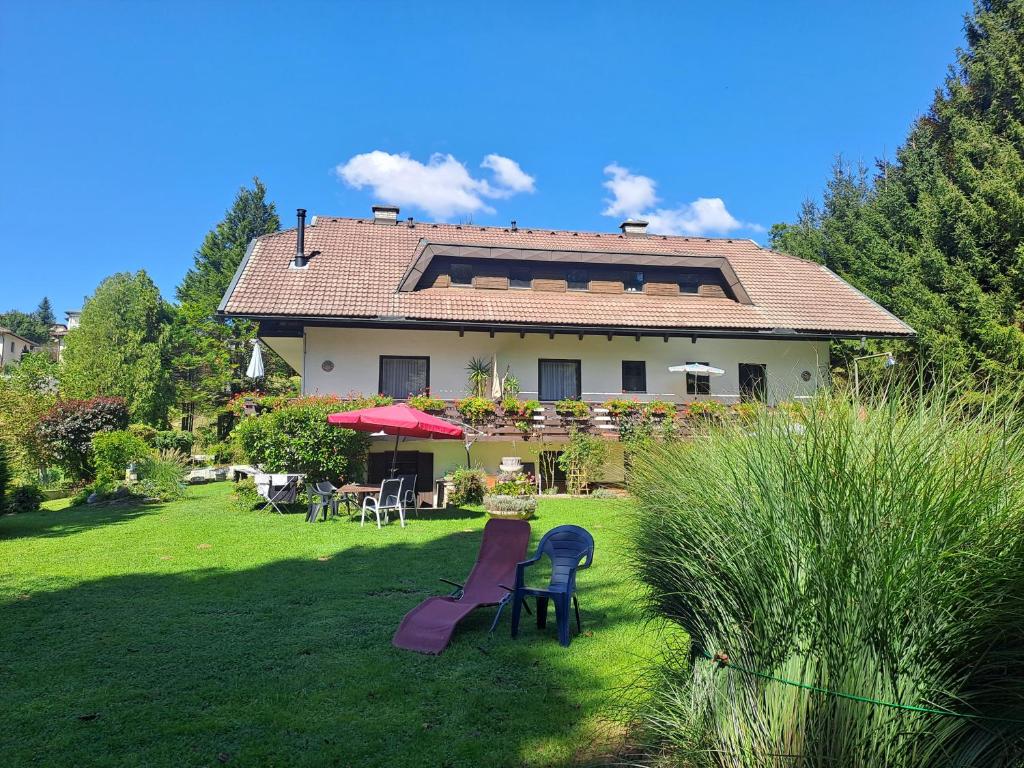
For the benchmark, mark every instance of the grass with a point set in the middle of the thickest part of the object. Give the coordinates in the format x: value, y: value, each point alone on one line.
x: 191, y: 634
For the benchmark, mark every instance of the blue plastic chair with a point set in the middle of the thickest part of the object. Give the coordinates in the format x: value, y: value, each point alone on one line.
x: 567, y: 546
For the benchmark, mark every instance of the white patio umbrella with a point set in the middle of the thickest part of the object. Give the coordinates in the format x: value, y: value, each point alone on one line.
x: 496, y: 383
x: 255, y: 369
x: 697, y: 369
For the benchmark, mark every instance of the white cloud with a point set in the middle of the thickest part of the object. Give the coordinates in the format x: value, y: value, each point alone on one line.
x: 631, y: 193
x: 634, y: 196
x: 442, y: 187
x: 508, y: 175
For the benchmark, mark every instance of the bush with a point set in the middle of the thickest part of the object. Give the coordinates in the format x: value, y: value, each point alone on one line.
x: 475, y: 409
x: 661, y: 408
x: 5, y: 477
x: 710, y: 410
x: 426, y: 403
x: 24, y: 498
x: 515, y: 408
x: 875, y: 552
x: 245, y: 497
x: 143, y: 432
x: 297, y: 438
x: 515, y: 484
x: 582, y: 460
x: 112, y: 452
x: 469, y: 486
x: 173, y: 440
x: 577, y: 409
x: 517, y: 507
x: 67, y: 429
x: 604, y: 493
x: 618, y: 406
x: 162, y: 476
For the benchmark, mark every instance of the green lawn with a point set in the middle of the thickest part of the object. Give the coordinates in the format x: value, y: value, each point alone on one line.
x: 191, y: 634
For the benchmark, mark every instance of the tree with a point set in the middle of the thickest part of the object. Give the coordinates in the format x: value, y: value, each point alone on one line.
x: 44, y: 312
x: 27, y: 391
x: 211, y: 354
x: 120, y: 349
x: 25, y: 324
x: 937, y: 236
x: 67, y: 429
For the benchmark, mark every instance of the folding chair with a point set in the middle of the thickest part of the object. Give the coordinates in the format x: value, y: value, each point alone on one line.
x: 276, y: 490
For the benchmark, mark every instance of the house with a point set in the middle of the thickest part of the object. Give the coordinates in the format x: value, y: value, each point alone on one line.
x: 13, y: 346
x: 399, y: 307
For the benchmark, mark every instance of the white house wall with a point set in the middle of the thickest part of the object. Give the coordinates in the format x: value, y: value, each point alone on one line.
x: 355, y: 354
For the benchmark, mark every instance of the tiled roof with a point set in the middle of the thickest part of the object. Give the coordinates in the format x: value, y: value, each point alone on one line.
x: 360, y: 265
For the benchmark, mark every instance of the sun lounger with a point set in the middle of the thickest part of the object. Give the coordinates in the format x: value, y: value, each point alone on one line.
x: 428, y: 627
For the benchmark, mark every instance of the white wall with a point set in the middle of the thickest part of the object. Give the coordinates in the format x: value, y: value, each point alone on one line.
x: 355, y: 353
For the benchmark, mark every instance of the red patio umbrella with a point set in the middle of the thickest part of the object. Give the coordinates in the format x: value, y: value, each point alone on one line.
x: 399, y: 420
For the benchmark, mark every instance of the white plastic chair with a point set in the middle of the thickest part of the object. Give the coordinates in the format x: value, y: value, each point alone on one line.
x: 389, y: 498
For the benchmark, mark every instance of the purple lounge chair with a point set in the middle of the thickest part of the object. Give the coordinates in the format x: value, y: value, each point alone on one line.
x: 428, y: 627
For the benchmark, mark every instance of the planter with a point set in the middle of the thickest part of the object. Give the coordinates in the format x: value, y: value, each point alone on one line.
x: 510, y: 507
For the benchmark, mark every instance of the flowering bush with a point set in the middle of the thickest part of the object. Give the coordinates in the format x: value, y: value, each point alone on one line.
x: 706, y: 409
x: 475, y: 409
x: 514, y: 408
x: 66, y: 431
x: 618, y: 406
x: 661, y: 408
x: 515, y: 484
x: 570, y: 407
x: 426, y: 403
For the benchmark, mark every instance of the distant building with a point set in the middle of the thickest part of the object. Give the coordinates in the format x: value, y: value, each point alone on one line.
x: 73, y: 318
x: 13, y: 346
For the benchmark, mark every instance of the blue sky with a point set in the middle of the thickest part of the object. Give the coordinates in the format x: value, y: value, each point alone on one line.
x: 129, y: 126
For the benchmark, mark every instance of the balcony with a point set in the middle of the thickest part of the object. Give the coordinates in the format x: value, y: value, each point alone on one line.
x: 545, y: 423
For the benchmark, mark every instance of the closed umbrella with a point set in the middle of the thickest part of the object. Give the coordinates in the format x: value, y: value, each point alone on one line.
x: 255, y: 369
x: 697, y: 369
x: 495, y: 378
x: 400, y: 420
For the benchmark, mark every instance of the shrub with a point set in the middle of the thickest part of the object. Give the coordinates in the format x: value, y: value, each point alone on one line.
x: 173, y: 440
x: 143, y: 432
x: 574, y: 408
x: 5, y: 477
x: 162, y: 476
x: 876, y: 552
x: 475, y: 409
x: 67, y: 429
x: 515, y: 408
x: 582, y: 460
x: 427, y: 403
x: 711, y: 410
x: 661, y: 408
x: 24, y: 498
x: 113, y: 451
x: 297, y: 438
x: 618, y: 406
x: 515, y: 484
x: 101, y: 488
x: 518, y: 507
x: 245, y: 497
x: 469, y: 486
x: 604, y: 493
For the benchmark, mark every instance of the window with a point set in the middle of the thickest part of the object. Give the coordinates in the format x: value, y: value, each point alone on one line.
x: 520, y: 278
x: 401, y: 377
x: 634, y: 376
x: 462, y: 274
x: 634, y: 282
x: 753, y: 381
x: 559, y: 379
x: 577, y: 280
x: 689, y: 285
x: 696, y: 384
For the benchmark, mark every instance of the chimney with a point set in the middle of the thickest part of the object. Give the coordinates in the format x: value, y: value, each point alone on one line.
x: 300, y: 241
x: 634, y: 228
x: 385, y: 214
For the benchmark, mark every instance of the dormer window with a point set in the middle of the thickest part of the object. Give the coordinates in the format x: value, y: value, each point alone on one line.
x: 689, y: 285
x: 462, y: 274
x: 520, y: 278
x: 577, y: 280
x: 634, y: 282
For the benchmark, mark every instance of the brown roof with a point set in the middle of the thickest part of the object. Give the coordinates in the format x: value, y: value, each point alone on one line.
x: 360, y: 265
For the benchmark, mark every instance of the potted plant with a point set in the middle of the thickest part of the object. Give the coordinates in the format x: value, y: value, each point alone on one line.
x: 575, y: 409
x: 661, y: 409
x: 424, y: 402
x: 475, y: 409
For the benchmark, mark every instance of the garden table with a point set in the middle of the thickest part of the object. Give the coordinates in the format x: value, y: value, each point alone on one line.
x: 354, y: 492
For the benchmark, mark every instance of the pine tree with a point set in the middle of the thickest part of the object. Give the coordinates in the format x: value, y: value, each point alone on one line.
x: 210, y: 353
x: 937, y: 236
x: 44, y: 312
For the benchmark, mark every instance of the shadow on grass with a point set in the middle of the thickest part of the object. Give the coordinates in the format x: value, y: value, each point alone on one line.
x: 290, y: 663
x: 72, y: 520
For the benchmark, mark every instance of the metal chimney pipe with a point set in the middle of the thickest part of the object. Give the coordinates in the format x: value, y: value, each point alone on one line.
x: 300, y: 242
